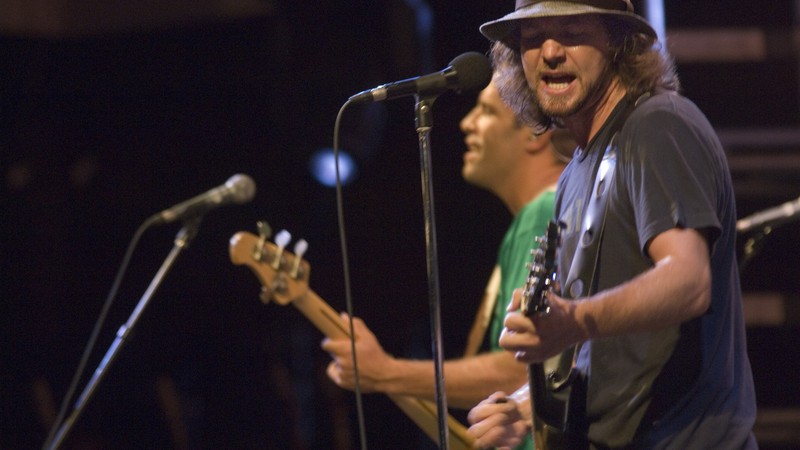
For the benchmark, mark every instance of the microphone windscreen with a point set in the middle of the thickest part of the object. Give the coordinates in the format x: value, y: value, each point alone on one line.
x: 473, y: 70
x: 242, y: 188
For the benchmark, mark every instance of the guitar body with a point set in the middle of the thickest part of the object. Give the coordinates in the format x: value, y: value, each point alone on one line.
x: 284, y: 279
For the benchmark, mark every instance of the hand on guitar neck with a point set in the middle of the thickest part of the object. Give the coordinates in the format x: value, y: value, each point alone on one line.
x: 374, y: 364
x: 536, y: 329
x: 535, y: 339
x: 539, y: 324
x: 284, y: 280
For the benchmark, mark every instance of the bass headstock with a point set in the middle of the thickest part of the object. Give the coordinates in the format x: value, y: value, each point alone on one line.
x: 283, y: 274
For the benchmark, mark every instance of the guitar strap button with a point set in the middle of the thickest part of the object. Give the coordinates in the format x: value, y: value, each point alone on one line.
x: 576, y: 288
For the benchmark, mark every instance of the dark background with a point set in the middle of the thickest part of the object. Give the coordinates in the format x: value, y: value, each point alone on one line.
x: 98, y: 131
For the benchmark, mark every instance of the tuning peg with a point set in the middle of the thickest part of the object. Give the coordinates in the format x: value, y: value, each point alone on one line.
x: 264, y: 232
x: 265, y: 295
x: 281, y: 240
x: 263, y: 228
x: 277, y: 285
x: 300, y: 249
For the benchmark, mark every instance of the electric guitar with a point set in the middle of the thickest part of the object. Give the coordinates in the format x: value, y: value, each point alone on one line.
x: 284, y: 279
x: 549, y: 378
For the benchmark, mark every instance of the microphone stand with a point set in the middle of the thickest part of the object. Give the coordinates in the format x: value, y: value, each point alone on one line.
x: 765, y: 221
x: 424, y: 124
x: 752, y: 246
x: 185, y: 235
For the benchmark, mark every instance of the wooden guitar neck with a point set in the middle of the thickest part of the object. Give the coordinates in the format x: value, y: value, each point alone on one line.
x: 284, y: 279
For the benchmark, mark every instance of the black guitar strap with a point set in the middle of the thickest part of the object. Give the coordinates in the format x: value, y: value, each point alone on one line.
x: 581, y: 276
x: 581, y: 280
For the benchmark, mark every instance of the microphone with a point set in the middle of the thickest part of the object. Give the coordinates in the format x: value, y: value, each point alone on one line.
x: 774, y: 216
x: 238, y: 189
x: 469, y: 71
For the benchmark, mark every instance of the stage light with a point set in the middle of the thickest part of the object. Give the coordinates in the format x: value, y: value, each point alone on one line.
x: 323, y: 167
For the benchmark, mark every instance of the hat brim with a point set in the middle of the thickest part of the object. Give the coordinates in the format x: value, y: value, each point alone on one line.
x: 501, y: 29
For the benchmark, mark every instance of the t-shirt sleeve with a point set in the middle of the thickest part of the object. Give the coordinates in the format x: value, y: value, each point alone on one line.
x: 670, y: 173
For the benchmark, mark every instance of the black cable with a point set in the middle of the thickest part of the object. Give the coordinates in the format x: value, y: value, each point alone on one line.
x: 346, y: 275
x: 96, y: 331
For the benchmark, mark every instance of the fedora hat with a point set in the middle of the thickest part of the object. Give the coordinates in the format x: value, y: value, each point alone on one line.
x: 501, y: 29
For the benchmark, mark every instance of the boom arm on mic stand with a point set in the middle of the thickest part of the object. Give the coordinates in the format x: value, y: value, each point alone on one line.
x: 182, y: 240
x: 765, y: 221
x: 470, y: 71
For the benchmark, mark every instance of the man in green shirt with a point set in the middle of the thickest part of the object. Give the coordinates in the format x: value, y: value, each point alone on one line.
x: 521, y: 169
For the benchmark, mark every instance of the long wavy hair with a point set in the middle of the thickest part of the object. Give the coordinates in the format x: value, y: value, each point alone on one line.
x: 636, y: 58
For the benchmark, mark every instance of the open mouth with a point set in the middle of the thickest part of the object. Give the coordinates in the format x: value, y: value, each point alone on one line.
x: 557, y: 82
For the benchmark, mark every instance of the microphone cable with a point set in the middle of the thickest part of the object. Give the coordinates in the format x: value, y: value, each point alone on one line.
x: 346, y: 274
x: 112, y: 294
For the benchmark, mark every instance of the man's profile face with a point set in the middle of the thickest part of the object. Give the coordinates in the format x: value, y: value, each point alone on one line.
x: 494, y: 138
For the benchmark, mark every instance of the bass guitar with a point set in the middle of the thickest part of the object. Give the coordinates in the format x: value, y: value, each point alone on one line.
x: 284, y: 279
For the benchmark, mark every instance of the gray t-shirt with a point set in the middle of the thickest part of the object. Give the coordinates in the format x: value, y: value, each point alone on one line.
x: 687, y: 386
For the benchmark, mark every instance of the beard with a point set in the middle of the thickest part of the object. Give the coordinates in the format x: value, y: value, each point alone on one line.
x: 559, y: 108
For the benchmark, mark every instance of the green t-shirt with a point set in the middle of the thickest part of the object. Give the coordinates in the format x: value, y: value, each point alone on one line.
x: 513, y: 259
x: 515, y: 255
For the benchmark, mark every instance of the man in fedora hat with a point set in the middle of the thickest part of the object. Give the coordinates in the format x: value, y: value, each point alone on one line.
x: 649, y: 312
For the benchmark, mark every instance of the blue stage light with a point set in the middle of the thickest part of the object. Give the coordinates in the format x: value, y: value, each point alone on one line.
x: 323, y: 167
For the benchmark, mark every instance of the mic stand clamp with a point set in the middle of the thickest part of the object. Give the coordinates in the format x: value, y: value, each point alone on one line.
x: 190, y: 228
x: 424, y: 124
x: 752, y: 246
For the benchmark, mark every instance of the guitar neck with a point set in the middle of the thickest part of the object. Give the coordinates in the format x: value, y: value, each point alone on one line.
x: 422, y: 412
x: 284, y: 279
x: 325, y: 318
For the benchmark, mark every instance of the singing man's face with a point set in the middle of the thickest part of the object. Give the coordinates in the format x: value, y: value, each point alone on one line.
x: 566, y: 62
